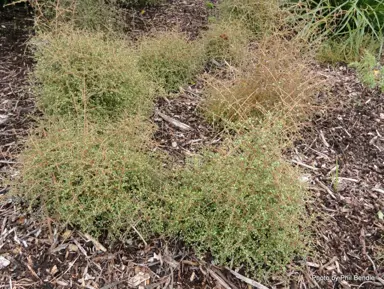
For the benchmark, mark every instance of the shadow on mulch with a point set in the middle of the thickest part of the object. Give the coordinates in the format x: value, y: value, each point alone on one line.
x: 16, y: 103
x: 189, y: 16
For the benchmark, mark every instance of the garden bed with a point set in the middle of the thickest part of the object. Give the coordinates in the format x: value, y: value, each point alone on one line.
x: 341, y: 150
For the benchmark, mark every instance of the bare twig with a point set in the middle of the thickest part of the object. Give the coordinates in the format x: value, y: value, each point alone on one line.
x: 138, y: 233
x: 95, y: 242
x: 247, y: 280
x: 326, y: 189
x: 323, y: 139
x: 218, y: 279
x: 174, y: 122
x: 378, y: 190
x: 304, y: 165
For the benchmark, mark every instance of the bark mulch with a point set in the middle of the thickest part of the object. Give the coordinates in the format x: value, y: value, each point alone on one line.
x: 342, y: 150
x: 189, y: 16
x: 182, y: 131
x: 44, y: 254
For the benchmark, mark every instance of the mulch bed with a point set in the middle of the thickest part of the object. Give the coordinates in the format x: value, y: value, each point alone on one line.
x: 182, y: 131
x: 16, y: 103
x: 44, y: 254
x: 188, y: 16
x: 342, y: 150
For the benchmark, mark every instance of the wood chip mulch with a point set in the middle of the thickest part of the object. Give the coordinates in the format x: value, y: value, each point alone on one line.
x: 44, y: 254
x: 188, y: 16
x: 342, y: 150
x: 182, y: 131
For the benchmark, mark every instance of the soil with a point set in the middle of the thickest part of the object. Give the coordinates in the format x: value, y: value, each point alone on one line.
x: 341, y: 150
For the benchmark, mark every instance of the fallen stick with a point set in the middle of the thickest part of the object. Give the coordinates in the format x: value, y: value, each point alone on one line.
x: 326, y: 189
x: 173, y: 121
x: 247, y: 280
x: 378, y: 190
x: 219, y: 279
x: 304, y: 165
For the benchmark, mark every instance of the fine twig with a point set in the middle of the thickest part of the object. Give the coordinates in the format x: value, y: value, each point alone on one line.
x: 174, y: 122
x: 247, y: 280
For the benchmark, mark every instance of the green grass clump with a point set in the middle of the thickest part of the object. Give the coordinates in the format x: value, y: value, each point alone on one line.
x: 243, y: 203
x: 81, y: 73
x: 171, y: 60
x: 260, y: 16
x: 100, y: 178
x: 342, y: 50
x: 356, y: 23
x: 369, y: 71
x: 227, y: 42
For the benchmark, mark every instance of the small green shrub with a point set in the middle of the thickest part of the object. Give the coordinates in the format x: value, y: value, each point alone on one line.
x: 99, y: 15
x: 171, y: 60
x: 81, y: 73
x: 104, y: 15
x: 260, y: 16
x: 370, y: 71
x: 100, y: 178
x: 243, y: 203
x: 227, y: 41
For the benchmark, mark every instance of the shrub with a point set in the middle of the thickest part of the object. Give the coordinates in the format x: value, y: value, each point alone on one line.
x: 170, y: 59
x: 227, y: 41
x: 79, y: 73
x: 100, y: 178
x: 370, y: 71
x: 85, y: 14
x: 347, y: 20
x: 277, y: 78
x: 104, y: 15
x: 260, y: 16
x: 243, y: 203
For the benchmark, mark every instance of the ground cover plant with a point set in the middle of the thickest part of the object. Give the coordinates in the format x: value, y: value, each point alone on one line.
x: 370, y: 71
x: 259, y: 16
x: 276, y: 78
x: 96, y: 15
x: 244, y: 203
x: 98, y: 177
x: 171, y: 60
x: 227, y: 42
x: 81, y: 73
